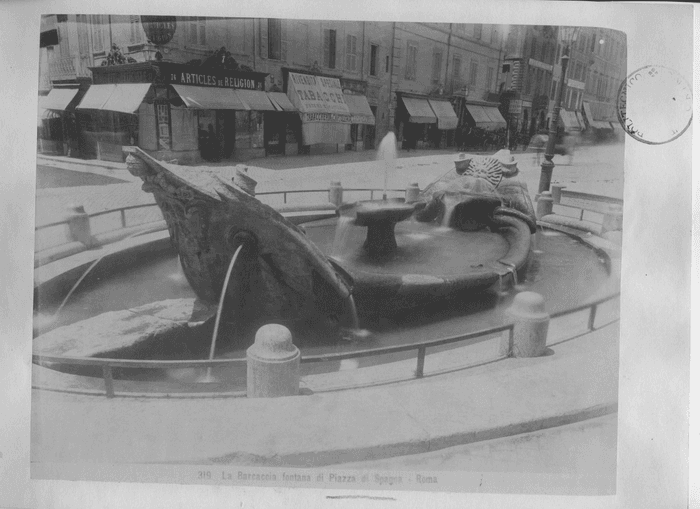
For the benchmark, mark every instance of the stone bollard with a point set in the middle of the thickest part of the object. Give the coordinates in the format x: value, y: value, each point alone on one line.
x: 336, y: 194
x: 273, y: 363
x: 531, y: 323
x: 79, y: 226
x: 612, y: 221
x: 412, y: 193
x: 545, y: 204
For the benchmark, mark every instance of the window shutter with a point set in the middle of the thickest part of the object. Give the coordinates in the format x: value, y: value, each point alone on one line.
x: 202, y: 32
x: 283, y: 29
x: 263, y: 37
x: 326, y: 47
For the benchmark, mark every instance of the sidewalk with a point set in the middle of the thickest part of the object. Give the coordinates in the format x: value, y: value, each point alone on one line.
x: 578, y: 381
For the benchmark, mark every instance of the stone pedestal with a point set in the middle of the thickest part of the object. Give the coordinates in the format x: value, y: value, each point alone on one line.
x: 273, y: 363
x: 412, y: 193
x: 531, y: 323
x: 545, y: 204
x: 380, y: 222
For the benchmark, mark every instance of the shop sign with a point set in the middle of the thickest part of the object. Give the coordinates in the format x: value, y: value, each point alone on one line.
x: 159, y: 29
x: 576, y: 84
x: 317, y: 94
x: 327, y: 117
x: 541, y: 65
x: 187, y: 75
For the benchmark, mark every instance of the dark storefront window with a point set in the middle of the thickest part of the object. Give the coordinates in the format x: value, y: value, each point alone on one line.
x: 274, y: 38
x: 249, y: 132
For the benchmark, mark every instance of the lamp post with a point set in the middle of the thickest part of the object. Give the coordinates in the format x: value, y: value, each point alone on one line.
x: 568, y: 36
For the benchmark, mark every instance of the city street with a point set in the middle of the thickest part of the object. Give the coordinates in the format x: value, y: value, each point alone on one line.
x: 596, y: 169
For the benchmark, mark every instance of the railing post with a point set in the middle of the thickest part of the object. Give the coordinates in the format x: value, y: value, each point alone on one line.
x: 591, y: 317
x: 335, y: 193
x: 371, y: 194
x: 109, y: 382
x: 421, y: 362
x: 285, y: 197
x: 123, y: 214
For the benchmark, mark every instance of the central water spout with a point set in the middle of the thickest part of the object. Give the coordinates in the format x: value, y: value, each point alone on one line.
x: 387, y: 153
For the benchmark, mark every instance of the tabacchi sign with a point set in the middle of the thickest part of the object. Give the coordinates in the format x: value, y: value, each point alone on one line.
x: 159, y: 29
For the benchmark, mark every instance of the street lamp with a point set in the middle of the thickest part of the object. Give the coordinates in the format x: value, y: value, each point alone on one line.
x: 568, y: 36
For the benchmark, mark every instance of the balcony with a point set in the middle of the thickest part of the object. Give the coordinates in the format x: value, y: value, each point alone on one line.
x: 68, y: 68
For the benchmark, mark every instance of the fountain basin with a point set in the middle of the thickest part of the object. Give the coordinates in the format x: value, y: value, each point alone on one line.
x: 430, y: 262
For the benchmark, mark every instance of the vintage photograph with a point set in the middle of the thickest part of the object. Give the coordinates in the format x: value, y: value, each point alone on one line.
x: 366, y: 255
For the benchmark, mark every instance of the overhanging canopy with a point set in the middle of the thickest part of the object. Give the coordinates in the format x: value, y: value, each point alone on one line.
x: 58, y: 98
x: 486, y: 117
x: 122, y: 97
x: 419, y: 110
x: 360, y: 112
x: 281, y: 101
x: 497, y: 119
x: 446, y: 117
x: 204, y: 98
x: 600, y: 124
x: 256, y: 100
x: 127, y: 97
x: 568, y: 120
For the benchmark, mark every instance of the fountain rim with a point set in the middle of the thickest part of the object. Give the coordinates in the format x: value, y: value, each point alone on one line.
x: 148, y: 240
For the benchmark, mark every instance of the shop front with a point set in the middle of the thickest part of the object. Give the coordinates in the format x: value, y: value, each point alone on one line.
x: 569, y: 122
x: 362, y: 118
x: 597, y: 117
x: 56, y: 122
x: 325, y: 116
x: 424, y: 121
x: 176, y: 111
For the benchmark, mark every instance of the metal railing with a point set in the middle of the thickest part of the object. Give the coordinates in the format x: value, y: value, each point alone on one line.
x: 122, y: 210
x: 107, y: 365
x: 328, y: 192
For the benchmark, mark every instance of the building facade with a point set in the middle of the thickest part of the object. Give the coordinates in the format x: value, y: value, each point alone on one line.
x: 597, y: 66
x: 527, y: 77
x: 247, y: 88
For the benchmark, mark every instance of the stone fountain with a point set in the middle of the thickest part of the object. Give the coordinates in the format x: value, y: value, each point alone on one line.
x: 467, y: 231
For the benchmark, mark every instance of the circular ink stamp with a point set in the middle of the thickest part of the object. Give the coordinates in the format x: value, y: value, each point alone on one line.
x: 655, y: 105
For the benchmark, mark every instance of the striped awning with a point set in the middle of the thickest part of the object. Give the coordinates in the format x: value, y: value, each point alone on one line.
x: 445, y: 113
x: 359, y: 108
x: 486, y: 117
x: 419, y: 110
x: 256, y: 100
